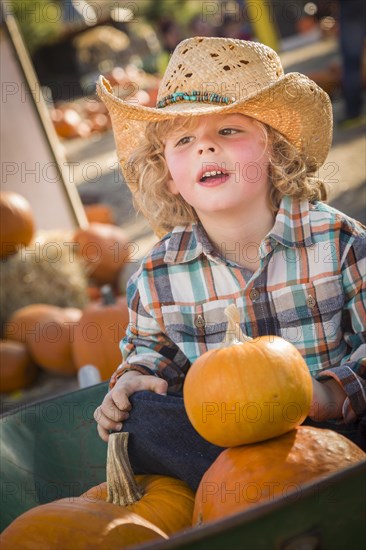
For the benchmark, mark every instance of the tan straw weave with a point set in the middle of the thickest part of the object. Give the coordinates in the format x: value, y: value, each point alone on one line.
x: 248, y: 76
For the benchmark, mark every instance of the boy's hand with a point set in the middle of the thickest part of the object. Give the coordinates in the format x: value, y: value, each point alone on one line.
x: 115, y: 406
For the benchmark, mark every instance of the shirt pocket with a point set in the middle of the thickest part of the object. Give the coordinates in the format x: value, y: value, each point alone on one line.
x: 196, y: 328
x: 309, y: 315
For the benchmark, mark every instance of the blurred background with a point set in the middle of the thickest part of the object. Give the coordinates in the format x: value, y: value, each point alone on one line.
x: 84, y: 238
x: 71, y: 42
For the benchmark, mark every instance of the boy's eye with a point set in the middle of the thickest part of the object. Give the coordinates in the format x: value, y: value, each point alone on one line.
x: 228, y: 131
x: 184, y: 140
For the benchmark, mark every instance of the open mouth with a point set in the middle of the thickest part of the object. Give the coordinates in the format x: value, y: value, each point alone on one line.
x: 212, y: 175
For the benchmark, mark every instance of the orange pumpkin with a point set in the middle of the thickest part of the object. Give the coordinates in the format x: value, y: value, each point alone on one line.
x: 94, y: 293
x: 104, y: 248
x: 242, y: 477
x: 80, y: 525
x: 16, y: 222
x: 99, y: 122
x: 17, y: 371
x: 98, y: 334
x: 137, y: 510
x: 69, y: 124
x: 48, y: 332
x: 100, y: 213
x: 247, y: 391
x: 166, y: 502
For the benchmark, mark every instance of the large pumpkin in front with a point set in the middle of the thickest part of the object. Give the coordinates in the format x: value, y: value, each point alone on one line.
x: 88, y: 522
x: 243, y: 477
x: 247, y: 391
x: 78, y: 525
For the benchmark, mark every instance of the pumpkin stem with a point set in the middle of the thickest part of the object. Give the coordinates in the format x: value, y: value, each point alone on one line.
x: 234, y: 334
x: 121, y: 485
x: 108, y: 297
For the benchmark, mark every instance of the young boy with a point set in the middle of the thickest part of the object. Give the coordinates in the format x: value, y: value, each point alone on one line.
x: 225, y: 168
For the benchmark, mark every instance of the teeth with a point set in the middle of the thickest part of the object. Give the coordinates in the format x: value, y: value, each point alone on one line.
x: 213, y: 173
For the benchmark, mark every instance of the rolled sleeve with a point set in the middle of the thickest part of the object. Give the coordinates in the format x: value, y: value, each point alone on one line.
x: 354, y: 386
x: 147, y: 348
x: 351, y: 373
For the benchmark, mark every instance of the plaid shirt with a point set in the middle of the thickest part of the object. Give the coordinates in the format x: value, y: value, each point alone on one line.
x: 309, y: 289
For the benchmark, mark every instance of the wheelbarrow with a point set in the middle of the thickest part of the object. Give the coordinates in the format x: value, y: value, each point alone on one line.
x: 51, y: 450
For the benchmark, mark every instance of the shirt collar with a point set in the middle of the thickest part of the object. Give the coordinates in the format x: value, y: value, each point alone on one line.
x: 186, y: 243
x: 292, y: 223
x: 291, y: 229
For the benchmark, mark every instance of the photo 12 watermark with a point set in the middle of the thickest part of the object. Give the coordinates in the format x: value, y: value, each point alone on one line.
x: 72, y: 12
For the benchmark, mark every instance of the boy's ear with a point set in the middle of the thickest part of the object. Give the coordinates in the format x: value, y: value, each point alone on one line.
x: 172, y: 187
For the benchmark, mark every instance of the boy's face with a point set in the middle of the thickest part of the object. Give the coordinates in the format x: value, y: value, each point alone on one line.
x: 231, y: 145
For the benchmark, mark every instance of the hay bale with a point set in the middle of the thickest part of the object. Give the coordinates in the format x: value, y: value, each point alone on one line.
x: 48, y: 271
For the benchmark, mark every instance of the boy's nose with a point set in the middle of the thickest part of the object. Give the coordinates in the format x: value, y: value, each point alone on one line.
x: 202, y: 149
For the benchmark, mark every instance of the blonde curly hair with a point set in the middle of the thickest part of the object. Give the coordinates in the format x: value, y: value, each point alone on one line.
x: 289, y: 174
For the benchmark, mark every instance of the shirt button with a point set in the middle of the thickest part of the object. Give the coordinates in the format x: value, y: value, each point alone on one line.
x: 310, y: 301
x: 254, y: 294
x: 199, y: 321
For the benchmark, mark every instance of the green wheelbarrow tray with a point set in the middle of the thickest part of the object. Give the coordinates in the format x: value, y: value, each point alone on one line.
x: 51, y: 450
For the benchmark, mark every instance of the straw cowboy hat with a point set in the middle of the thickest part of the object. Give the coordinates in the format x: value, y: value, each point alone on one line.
x: 223, y: 75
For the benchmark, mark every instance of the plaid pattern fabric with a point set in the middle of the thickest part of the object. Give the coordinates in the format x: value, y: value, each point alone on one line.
x: 309, y: 289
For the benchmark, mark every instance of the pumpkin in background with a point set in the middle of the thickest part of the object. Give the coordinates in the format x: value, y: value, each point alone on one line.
x: 99, y: 213
x: 124, y: 511
x: 247, y: 390
x: 16, y: 222
x: 17, y: 371
x: 104, y: 248
x: 99, y: 122
x: 242, y: 477
x: 69, y: 124
x: 48, y: 332
x: 94, y: 292
x: 97, y: 336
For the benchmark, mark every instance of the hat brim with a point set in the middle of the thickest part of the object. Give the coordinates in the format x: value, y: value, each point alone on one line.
x: 294, y: 105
